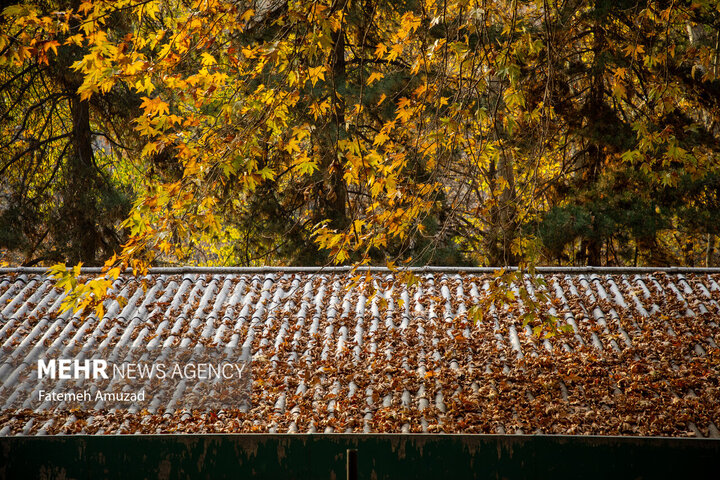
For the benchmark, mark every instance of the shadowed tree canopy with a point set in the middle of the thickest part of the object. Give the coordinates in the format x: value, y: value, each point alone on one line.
x: 60, y: 198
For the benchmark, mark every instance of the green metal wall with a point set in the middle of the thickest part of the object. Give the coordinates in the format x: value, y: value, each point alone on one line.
x: 380, y: 456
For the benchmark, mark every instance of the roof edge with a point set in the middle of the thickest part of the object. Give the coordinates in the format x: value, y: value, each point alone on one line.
x: 363, y: 269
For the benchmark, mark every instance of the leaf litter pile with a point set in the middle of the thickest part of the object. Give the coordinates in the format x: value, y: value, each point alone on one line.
x: 331, y: 354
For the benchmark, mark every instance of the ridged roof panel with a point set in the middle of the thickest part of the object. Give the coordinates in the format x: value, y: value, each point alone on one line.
x: 331, y: 354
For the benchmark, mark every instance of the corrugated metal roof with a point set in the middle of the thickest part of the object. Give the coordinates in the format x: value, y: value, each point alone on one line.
x: 328, y: 356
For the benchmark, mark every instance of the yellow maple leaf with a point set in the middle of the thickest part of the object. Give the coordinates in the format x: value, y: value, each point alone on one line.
x: 404, y: 114
x: 316, y: 73
x: 380, y: 138
x: 52, y: 44
x: 207, y: 59
x: 247, y: 15
x: 380, y: 50
x: 292, y: 146
x: 374, y: 77
x: 85, y: 7
x: 395, y: 52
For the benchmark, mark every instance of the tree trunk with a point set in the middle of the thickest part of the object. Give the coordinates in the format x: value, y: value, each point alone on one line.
x: 80, y: 206
x: 503, y: 214
x: 592, y: 161
x: 710, y: 250
x: 332, y: 194
x: 79, y: 214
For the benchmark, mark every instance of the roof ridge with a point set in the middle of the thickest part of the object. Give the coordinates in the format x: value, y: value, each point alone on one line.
x: 374, y: 269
